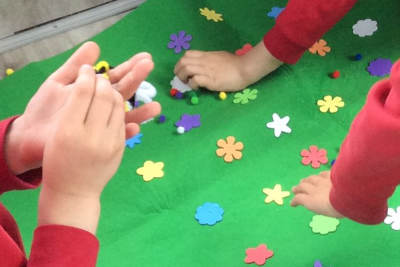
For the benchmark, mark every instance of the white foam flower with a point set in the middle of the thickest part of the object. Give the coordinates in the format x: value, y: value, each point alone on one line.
x: 180, y: 86
x: 279, y: 124
x: 365, y: 27
x: 393, y: 218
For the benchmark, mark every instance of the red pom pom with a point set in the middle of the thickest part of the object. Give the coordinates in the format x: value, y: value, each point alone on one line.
x: 173, y: 92
x: 335, y: 74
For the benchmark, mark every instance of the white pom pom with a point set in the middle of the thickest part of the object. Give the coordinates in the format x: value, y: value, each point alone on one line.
x: 180, y: 130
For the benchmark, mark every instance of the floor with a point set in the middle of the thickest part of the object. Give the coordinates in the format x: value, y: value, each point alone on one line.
x: 50, y: 46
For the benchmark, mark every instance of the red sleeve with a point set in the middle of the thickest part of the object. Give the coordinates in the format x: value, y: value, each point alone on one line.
x: 301, y: 24
x: 367, y: 169
x: 63, y: 246
x: 8, y: 181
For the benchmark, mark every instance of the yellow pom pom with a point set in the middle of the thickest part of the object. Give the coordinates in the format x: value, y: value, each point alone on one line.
x: 222, y: 95
x: 9, y: 71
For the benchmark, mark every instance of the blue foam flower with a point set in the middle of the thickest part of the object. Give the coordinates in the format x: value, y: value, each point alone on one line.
x: 209, y: 213
x: 131, y: 142
x: 275, y: 11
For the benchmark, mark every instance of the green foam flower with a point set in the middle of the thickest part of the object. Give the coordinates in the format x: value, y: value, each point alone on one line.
x: 244, y: 96
x: 323, y: 225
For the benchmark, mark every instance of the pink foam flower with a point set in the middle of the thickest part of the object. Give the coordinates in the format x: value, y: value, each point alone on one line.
x: 314, y: 156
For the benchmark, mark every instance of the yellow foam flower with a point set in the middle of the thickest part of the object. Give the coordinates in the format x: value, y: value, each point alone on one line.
x: 211, y: 14
x: 151, y: 170
x: 275, y: 194
x: 329, y: 104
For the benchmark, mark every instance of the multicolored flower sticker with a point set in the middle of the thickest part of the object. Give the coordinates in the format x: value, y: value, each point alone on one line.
x: 179, y: 41
x: 244, y: 96
x: 314, y: 156
x: 229, y: 149
x: 211, y: 14
x: 320, y: 47
x: 330, y: 104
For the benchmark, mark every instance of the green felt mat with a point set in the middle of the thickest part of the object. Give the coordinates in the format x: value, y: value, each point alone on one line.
x: 152, y: 224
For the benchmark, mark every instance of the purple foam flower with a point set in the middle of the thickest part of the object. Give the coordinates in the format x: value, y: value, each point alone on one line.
x: 380, y: 67
x: 179, y: 41
x: 189, y: 121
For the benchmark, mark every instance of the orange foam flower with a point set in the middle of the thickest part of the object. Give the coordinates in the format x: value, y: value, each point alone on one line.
x: 320, y: 47
x: 229, y: 149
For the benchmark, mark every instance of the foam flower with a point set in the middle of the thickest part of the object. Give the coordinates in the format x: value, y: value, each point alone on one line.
x: 229, y: 149
x: 320, y: 47
x: 151, y: 170
x: 314, y: 156
x: 275, y: 12
x: 179, y: 41
x: 131, y: 142
x: 393, y: 218
x: 275, y: 194
x: 323, y: 225
x: 258, y: 255
x: 330, y: 104
x: 211, y: 14
x: 209, y: 213
x: 365, y: 27
x: 244, y: 96
x: 380, y: 67
x: 188, y: 122
x: 242, y: 51
x: 279, y: 125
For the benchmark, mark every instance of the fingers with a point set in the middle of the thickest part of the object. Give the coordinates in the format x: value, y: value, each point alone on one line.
x: 131, y: 130
x: 121, y: 70
x: 200, y: 81
x: 81, y: 96
x: 102, y: 105
x: 303, y: 188
x: 86, y: 54
x: 300, y: 200
x: 188, y: 71
x: 117, y: 117
x: 144, y: 112
x: 128, y: 85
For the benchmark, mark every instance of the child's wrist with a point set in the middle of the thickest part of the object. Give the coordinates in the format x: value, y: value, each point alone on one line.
x: 77, y: 211
x: 13, y: 151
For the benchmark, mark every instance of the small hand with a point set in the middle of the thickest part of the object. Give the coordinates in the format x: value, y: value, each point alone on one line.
x: 224, y: 71
x: 28, y: 133
x: 313, y: 193
x: 82, y: 153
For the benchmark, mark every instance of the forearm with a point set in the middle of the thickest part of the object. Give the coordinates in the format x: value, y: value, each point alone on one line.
x: 257, y: 63
x: 69, y: 210
x: 301, y: 24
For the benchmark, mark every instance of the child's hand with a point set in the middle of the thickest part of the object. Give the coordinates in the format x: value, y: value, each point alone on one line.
x: 223, y: 71
x: 83, y: 152
x: 313, y: 193
x: 28, y: 134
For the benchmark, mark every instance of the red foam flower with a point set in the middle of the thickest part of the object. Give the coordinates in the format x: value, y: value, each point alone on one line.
x: 246, y: 48
x: 258, y: 255
x: 314, y: 156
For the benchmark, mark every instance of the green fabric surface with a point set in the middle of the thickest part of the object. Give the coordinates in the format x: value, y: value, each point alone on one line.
x: 152, y: 223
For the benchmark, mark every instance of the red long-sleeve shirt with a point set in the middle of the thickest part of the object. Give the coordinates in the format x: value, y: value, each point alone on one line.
x: 366, y: 172
x: 301, y: 24
x: 53, y: 245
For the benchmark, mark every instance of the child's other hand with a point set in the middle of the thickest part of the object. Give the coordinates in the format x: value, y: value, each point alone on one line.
x: 313, y: 193
x: 82, y: 153
x: 224, y: 71
x: 28, y: 134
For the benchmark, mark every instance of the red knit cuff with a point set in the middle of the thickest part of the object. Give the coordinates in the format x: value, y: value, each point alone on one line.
x: 281, y: 47
x: 346, y: 204
x: 8, y: 180
x: 59, y: 245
